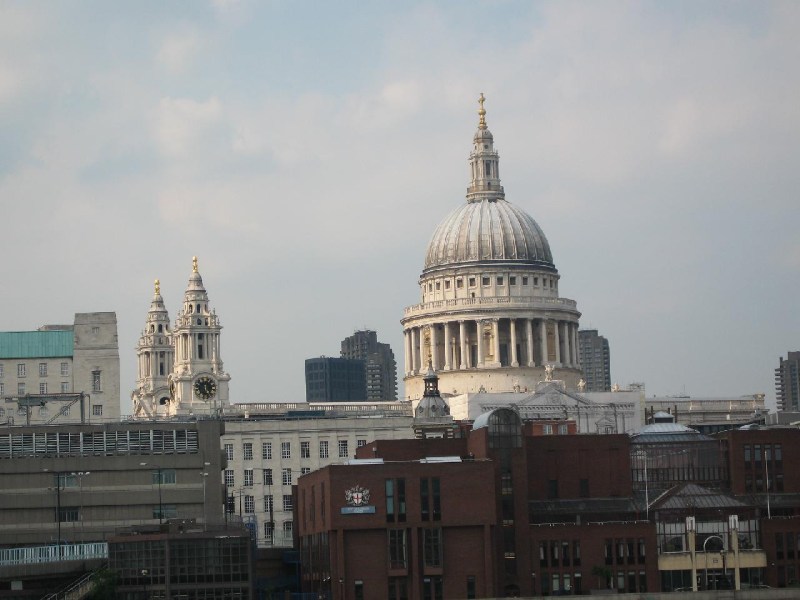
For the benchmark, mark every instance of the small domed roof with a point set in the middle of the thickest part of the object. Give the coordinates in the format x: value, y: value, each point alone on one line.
x: 488, y: 230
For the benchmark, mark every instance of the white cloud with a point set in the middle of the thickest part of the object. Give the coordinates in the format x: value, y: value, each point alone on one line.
x: 181, y: 124
x: 179, y: 50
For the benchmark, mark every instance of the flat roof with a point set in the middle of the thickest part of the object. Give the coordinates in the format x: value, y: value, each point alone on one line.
x: 37, y: 344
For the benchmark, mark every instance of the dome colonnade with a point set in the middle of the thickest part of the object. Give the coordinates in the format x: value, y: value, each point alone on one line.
x: 490, y: 317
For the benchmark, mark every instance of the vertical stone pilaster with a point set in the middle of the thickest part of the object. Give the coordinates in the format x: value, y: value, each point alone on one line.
x: 513, y: 330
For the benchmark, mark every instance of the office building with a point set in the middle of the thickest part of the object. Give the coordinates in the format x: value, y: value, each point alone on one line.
x: 380, y: 364
x: 787, y: 383
x: 330, y: 379
x: 595, y: 358
x: 61, y: 373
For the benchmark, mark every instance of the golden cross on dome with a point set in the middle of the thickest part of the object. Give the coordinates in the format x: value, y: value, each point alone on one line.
x: 158, y: 287
x: 482, y: 112
x: 194, y: 264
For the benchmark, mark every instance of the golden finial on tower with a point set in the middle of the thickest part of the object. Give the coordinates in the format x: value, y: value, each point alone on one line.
x: 194, y: 264
x: 158, y: 287
x: 482, y: 112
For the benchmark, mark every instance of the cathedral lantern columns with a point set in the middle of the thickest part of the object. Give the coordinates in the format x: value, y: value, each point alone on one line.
x: 489, y: 268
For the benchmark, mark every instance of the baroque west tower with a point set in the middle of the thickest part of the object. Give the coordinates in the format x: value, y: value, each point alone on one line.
x: 189, y: 355
x: 490, y: 318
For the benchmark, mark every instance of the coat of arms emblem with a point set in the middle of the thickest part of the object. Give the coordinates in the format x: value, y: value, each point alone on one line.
x: 357, y: 496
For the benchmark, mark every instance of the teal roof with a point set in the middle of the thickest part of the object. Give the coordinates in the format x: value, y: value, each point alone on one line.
x: 36, y: 344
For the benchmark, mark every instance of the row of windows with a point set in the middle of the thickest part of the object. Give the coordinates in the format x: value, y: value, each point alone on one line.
x: 97, y: 409
x: 343, y: 448
x: 556, y: 553
x: 249, y: 503
x: 266, y: 475
x: 486, y: 280
x: 787, y: 545
x: 432, y: 547
x: 630, y: 551
x: 22, y: 369
x: 22, y: 390
x: 430, y: 499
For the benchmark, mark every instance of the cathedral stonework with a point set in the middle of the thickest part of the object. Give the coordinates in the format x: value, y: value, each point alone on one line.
x: 490, y: 318
x: 180, y: 370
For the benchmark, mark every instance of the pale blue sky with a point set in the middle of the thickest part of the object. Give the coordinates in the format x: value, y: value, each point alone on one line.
x: 305, y: 151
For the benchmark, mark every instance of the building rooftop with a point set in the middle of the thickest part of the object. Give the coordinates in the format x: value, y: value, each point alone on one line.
x: 49, y: 343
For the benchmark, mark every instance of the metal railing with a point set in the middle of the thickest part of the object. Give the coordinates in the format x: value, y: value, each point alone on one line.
x: 45, y: 554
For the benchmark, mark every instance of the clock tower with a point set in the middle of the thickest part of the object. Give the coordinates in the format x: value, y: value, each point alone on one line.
x: 198, y: 382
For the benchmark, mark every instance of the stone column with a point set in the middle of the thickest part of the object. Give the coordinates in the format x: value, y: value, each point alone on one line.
x: 479, y: 330
x: 447, y: 346
x: 462, y: 332
x: 543, y: 340
x: 423, y: 362
x: 567, y: 353
x: 557, y: 342
x: 406, y: 350
x: 414, y: 350
x: 529, y: 333
x: 496, y: 344
x: 576, y: 345
x: 514, y: 358
x: 434, y: 356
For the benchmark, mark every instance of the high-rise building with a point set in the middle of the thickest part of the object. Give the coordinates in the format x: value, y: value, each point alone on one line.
x: 333, y: 379
x: 381, y: 365
x: 61, y: 373
x: 595, y: 360
x: 180, y: 371
x: 787, y: 382
x: 490, y: 317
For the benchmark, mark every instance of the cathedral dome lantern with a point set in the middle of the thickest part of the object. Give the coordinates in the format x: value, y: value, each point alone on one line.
x: 490, y: 315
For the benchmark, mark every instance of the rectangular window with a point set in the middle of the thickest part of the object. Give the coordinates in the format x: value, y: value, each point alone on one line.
x: 287, y: 531
x: 96, y: 383
x: 267, y: 474
x: 286, y: 450
x: 343, y: 452
x: 447, y: 284
x: 248, y: 478
x: 305, y: 470
x: 97, y: 410
x: 266, y: 450
x: 396, y: 500
x: 20, y: 389
x: 459, y: 283
x: 398, y: 557
x: 360, y: 443
x: 471, y: 282
x: 64, y: 369
x: 525, y: 280
x: 249, y: 504
x: 268, y: 504
x: 286, y: 476
x: 499, y: 281
x: 432, y: 547
x: 21, y: 370
x: 65, y: 387
x: 305, y: 449
x: 323, y: 449
x: 1, y: 369
x: 247, y: 451
x: 43, y: 387
x: 167, y: 476
x: 485, y: 280
x: 229, y: 451
x: 165, y: 511
x: 269, y: 528
x: 42, y: 369
x: 69, y: 514
x: 287, y: 502
x: 229, y: 479
x: 547, y: 429
x: 2, y: 388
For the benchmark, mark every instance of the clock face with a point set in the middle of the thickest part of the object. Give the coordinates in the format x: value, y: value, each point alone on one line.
x: 205, y: 387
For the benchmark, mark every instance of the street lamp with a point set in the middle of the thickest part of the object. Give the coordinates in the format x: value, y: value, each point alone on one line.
x: 160, y: 504
x: 705, y: 554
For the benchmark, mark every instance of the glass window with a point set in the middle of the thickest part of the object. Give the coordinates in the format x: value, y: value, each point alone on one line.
x: 229, y: 451
x: 64, y: 387
x: 42, y: 369
x: 266, y: 450
x: 97, y: 410
x: 247, y: 451
x: 20, y: 389
x: 323, y: 449
x: 360, y: 443
x: 286, y: 476
x: 432, y: 547
x: 267, y: 475
x: 397, y: 549
x: 64, y: 369
x: 268, y: 504
x: 287, y: 502
x: 43, y: 387
x: 249, y: 504
x: 96, y: 382
x: 286, y: 450
x: 343, y: 452
x: 287, y: 531
x: 248, y: 478
x: 229, y: 479
x: 21, y: 370
x: 305, y: 470
x: 305, y: 449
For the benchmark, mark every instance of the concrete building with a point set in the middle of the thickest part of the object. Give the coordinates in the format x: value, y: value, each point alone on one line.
x: 332, y: 379
x: 595, y: 359
x: 787, y: 382
x: 80, y: 483
x: 180, y: 370
x: 381, y: 366
x: 61, y: 373
x: 709, y: 415
x: 490, y: 316
x: 268, y: 446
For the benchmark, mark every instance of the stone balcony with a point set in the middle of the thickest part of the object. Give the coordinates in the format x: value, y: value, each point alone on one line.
x: 492, y: 303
